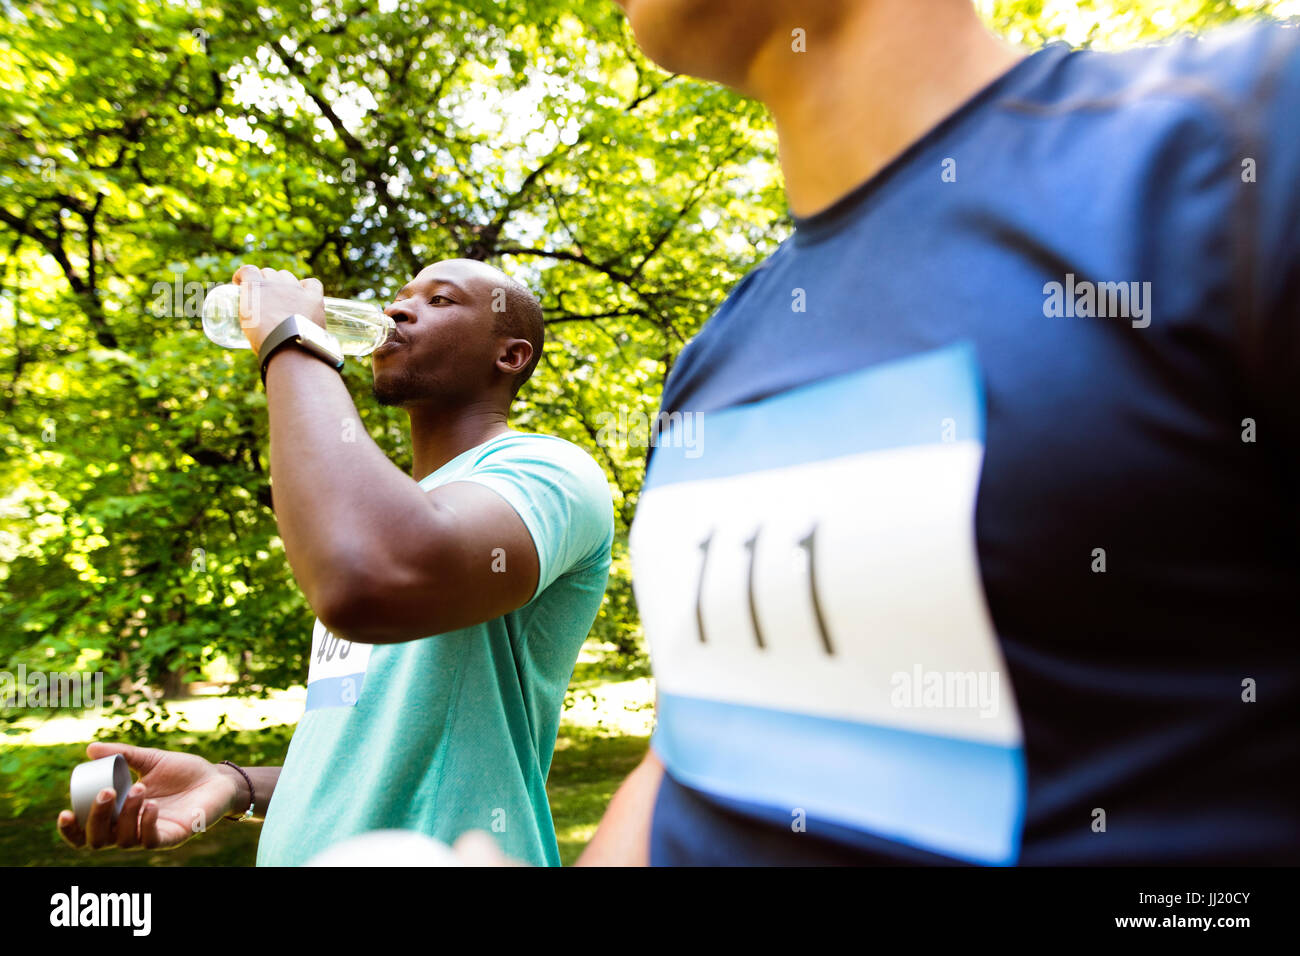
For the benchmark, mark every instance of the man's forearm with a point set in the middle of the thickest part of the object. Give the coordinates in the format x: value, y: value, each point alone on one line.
x: 264, y: 780
x: 623, y: 837
x: 335, y: 492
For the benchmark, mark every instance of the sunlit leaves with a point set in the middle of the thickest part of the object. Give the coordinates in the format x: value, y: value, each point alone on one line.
x: 147, y: 145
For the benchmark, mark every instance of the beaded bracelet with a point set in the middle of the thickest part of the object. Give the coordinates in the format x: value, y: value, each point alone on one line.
x: 251, y: 796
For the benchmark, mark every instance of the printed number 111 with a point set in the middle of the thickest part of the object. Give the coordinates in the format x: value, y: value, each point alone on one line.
x: 806, y: 543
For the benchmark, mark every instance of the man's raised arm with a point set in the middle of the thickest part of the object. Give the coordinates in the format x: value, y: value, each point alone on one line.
x: 379, y: 559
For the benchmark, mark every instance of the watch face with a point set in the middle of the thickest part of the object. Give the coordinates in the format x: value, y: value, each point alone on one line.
x: 319, y: 339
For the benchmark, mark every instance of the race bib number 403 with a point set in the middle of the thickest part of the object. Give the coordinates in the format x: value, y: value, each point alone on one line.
x: 810, y: 590
x: 337, y: 670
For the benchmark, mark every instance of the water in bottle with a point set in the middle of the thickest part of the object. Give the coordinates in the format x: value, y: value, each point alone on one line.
x: 360, y: 327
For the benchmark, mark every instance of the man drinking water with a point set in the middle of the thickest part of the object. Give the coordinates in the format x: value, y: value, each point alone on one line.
x: 450, y: 608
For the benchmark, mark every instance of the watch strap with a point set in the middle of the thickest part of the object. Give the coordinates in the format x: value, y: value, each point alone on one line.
x: 289, y: 332
x: 287, y: 329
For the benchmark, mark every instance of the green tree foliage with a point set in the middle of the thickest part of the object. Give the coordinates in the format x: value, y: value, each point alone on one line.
x: 148, y: 148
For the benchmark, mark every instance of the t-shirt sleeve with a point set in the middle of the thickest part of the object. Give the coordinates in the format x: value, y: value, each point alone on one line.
x: 561, y: 495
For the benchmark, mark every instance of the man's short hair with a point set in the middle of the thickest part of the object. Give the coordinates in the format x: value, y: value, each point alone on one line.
x: 521, y: 319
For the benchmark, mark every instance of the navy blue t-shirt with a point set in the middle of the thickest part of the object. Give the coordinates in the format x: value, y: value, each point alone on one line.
x: 972, y: 534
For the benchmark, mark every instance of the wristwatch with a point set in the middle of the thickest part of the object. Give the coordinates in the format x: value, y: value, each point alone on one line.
x: 299, y: 330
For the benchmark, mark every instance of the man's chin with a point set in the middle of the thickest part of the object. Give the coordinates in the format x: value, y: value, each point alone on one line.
x: 387, y: 396
x: 400, y: 390
x: 387, y: 392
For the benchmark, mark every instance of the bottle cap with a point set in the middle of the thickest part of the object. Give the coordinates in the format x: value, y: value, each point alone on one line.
x: 95, y: 775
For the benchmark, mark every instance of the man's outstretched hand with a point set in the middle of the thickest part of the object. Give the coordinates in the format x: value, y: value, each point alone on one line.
x: 177, y: 796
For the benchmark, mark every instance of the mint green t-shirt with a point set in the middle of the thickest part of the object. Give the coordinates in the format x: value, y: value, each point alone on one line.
x: 455, y: 731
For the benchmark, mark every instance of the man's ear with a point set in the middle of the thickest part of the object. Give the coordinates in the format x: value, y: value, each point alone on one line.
x: 515, y: 356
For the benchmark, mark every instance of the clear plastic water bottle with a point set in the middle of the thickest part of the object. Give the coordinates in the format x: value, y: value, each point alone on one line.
x: 360, y: 327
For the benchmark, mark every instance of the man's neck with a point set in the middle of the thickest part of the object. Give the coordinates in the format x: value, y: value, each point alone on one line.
x: 868, y: 86
x: 439, y: 434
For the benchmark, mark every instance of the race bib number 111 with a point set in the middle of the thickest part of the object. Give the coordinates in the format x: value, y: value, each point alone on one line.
x: 811, y: 593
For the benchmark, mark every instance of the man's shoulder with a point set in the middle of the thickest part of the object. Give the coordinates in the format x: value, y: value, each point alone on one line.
x: 699, y: 358
x: 1225, y: 73
x: 552, y: 463
x: 524, y: 447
